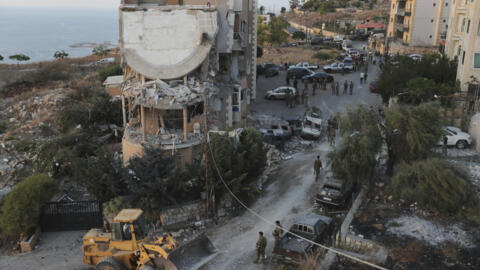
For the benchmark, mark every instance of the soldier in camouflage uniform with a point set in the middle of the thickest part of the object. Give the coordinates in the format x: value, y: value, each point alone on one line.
x: 261, y: 246
x: 277, y: 233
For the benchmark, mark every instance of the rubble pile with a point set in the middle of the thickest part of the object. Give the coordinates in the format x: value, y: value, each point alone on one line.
x: 157, y: 92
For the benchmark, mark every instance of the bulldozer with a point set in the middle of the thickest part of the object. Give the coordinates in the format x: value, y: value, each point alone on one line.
x: 128, y: 246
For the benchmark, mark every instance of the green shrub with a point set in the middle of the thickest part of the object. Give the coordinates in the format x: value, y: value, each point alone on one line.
x: 3, y: 127
x: 436, y: 184
x: 323, y: 55
x: 23, y: 205
x: 112, y: 207
x: 112, y: 70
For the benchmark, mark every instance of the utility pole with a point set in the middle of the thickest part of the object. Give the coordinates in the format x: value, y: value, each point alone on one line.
x: 207, y: 156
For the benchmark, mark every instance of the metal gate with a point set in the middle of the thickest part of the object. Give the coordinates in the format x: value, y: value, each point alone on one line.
x: 71, y: 216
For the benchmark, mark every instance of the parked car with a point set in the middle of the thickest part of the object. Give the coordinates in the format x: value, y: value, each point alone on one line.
x: 318, y: 76
x: 106, y: 60
x: 335, y: 193
x: 304, y: 65
x: 313, y: 227
x: 288, y: 45
x: 338, y: 38
x: 298, y: 72
x: 260, y: 70
x: 456, y: 137
x: 353, y: 52
x: 271, y: 70
x: 337, y: 67
x: 316, y: 41
x: 373, y: 86
x: 416, y: 57
x: 280, y: 92
x: 347, y: 45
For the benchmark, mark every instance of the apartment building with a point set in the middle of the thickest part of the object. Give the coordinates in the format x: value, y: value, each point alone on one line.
x: 421, y: 23
x: 463, y: 42
x: 185, y: 62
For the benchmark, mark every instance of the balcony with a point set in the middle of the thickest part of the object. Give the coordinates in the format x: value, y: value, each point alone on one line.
x: 403, y: 12
x: 401, y: 27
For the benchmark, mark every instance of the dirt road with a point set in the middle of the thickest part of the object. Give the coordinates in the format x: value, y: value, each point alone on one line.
x: 290, y: 193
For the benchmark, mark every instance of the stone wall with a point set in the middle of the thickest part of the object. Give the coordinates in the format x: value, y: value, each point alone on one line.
x: 354, y: 243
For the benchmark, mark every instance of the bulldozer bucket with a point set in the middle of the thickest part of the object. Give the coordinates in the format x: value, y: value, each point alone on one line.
x: 194, y: 254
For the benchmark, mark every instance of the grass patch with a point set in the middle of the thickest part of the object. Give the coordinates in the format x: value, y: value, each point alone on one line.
x: 323, y: 55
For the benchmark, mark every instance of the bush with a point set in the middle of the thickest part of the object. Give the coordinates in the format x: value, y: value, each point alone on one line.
x: 323, y: 55
x: 23, y: 205
x: 112, y: 70
x: 436, y: 184
x: 3, y: 127
x: 114, y: 206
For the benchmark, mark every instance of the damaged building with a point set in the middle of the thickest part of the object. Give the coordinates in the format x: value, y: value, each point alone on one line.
x: 185, y: 63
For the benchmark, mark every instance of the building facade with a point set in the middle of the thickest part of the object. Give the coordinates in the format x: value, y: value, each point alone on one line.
x: 186, y: 63
x: 421, y: 23
x: 463, y: 41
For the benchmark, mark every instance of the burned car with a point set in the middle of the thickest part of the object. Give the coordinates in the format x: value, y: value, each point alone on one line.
x: 335, y: 193
x: 313, y: 227
x: 312, y: 124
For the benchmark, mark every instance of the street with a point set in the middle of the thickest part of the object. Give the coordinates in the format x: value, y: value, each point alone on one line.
x: 291, y: 189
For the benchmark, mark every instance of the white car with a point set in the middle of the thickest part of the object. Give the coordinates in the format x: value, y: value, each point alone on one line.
x: 416, y: 57
x: 456, y: 137
x: 280, y: 92
x: 106, y: 60
x: 336, y: 67
x: 304, y: 65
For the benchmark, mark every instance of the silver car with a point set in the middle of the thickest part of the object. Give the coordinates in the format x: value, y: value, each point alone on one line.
x: 280, y: 92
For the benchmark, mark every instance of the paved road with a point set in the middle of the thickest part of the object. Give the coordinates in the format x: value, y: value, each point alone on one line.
x: 291, y: 188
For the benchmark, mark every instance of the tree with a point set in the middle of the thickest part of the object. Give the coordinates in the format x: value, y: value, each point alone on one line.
x: 283, y: 10
x: 159, y: 180
x: 22, y: 207
x: 397, y: 72
x: 60, y: 54
x: 19, y: 57
x: 1, y: 57
x: 112, y: 70
x: 100, y: 50
x: 299, y: 35
x: 262, y: 10
x: 355, y: 159
x: 262, y: 31
x: 437, y: 184
x: 294, y: 4
x: 278, y: 34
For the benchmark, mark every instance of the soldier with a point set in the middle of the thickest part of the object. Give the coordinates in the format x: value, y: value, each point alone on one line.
x: 361, y: 77
x: 305, y: 89
x: 295, y: 83
x: 337, y: 89
x: 297, y: 99
x: 324, y: 85
x: 333, y: 88
x: 314, y: 87
x: 316, y: 167
x: 351, y: 87
x: 288, y: 80
x: 260, y: 247
x: 277, y: 233
x: 288, y: 98
x: 365, y: 78
x: 304, y: 96
x: 345, y: 87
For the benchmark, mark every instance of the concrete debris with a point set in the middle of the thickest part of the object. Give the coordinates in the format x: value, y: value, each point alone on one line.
x: 158, y: 92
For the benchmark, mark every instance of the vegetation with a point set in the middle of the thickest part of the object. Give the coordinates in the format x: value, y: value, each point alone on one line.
x: 100, y: 50
x: 283, y: 10
x: 323, y: 55
x: 240, y: 164
x: 355, y: 159
x: 299, y: 35
x: 89, y: 107
x: 60, y: 54
x: 417, y: 81
x: 436, y: 184
x: 261, y: 10
x: 3, y: 127
x: 1, y: 57
x: 112, y: 70
x: 23, y: 205
x: 278, y: 34
x: 320, y: 6
x: 262, y: 31
x: 19, y: 57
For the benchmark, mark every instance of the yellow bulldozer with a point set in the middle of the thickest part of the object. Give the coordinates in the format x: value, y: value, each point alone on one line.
x: 128, y: 246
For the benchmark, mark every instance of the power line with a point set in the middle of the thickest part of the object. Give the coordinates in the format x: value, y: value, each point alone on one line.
x: 273, y: 224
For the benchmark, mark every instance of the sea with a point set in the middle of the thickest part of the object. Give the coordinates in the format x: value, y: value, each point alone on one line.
x: 40, y: 32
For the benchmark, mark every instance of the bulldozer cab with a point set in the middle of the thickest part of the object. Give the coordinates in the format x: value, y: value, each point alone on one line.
x: 129, y: 225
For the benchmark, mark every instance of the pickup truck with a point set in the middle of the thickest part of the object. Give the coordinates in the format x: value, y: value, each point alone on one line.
x: 313, y: 227
x: 304, y: 65
x: 338, y: 67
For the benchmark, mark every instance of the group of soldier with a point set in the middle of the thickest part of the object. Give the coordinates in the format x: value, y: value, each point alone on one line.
x: 296, y: 98
x: 346, y: 86
x: 262, y: 242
